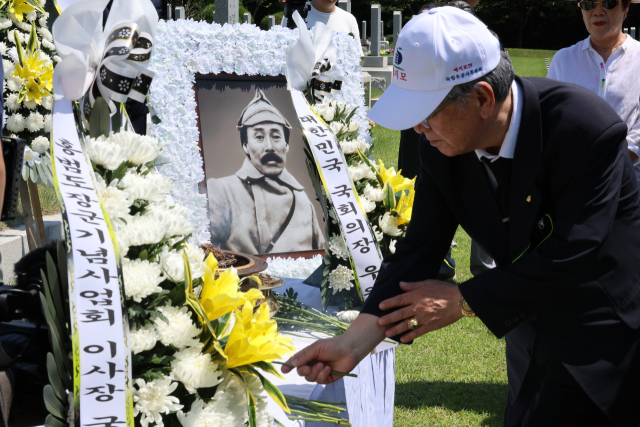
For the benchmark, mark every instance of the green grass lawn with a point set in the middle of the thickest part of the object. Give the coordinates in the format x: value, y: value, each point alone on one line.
x: 456, y: 376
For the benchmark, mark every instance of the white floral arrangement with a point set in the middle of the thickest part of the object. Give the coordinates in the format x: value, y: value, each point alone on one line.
x: 196, y: 360
x: 385, y: 195
x: 186, y: 47
x: 28, y: 58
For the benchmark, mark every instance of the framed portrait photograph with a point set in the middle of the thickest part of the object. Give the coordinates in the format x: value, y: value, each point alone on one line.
x: 260, y: 196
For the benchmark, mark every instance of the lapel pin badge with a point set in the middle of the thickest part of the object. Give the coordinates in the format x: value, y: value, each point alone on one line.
x: 528, y: 198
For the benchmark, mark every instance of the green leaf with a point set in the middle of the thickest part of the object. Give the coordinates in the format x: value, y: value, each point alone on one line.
x: 222, y: 324
x: 52, y: 279
x: 389, y: 196
x: 100, y: 119
x: 48, y: 309
x: 64, y: 280
x: 366, y: 161
x: 54, y: 406
x: 116, y: 120
x: 52, y: 421
x: 155, y: 120
x: 143, y: 255
x: 269, y: 368
x: 54, y: 378
x: 22, y: 93
x: 271, y: 390
x: 32, y: 44
x: 251, y: 402
x: 36, y: 5
x: 16, y: 40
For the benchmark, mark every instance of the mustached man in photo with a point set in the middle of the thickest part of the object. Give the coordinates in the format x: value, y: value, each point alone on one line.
x: 262, y: 208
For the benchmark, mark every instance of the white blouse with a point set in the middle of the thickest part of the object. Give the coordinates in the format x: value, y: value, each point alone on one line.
x: 617, y: 81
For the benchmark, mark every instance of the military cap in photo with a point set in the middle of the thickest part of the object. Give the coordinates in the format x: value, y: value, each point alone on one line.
x: 261, y: 110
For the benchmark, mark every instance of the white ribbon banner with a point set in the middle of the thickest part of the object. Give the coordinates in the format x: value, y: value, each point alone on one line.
x: 103, y: 394
x: 338, y: 186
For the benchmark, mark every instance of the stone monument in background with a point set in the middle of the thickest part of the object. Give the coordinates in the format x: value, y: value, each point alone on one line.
x: 227, y: 11
x: 397, y: 26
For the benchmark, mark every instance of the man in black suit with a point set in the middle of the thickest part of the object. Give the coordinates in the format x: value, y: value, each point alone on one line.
x: 537, y: 172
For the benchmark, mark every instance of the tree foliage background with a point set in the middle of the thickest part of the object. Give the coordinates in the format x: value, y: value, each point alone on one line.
x: 531, y: 24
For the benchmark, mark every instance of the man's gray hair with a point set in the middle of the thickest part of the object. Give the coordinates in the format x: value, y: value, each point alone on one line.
x: 500, y: 80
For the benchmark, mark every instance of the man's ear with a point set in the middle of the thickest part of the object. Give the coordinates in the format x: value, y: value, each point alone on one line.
x: 486, y: 99
x: 245, y: 148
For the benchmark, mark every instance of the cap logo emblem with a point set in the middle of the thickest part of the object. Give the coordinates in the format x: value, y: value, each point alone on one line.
x: 463, y: 67
x: 398, y: 59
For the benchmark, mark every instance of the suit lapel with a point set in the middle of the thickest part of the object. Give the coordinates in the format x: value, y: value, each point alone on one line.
x: 524, y: 197
x: 481, y: 203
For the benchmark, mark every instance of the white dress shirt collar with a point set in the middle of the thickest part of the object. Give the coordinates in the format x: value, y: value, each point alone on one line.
x: 628, y: 44
x: 508, y: 147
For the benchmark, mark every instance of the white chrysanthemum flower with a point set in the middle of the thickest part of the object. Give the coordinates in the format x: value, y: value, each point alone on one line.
x: 347, y: 316
x: 40, y: 145
x: 362, y: 145
x: 194, y: 369
x: 14, y: 83
x: 379, y: 234
x: 151, y: 187
x: 374, y: 194
x: 354, y: 126
x: 102, y: 152
x: 15, y: 123
x: 8, y: 65
x: 117, y: 202
x: 368, y: 172
x: 141, y: 278
x: 392, y: 246
x: 349, y: 147
x: 367, y: 205
x: 42, y: 3
x: 43, y: 23
x: 172, y: 263
x: 11, y: 36
x: 174, y: 218
x: 47, y: 44
x: 389, y: 225
x: 357, y: 173
x: 56, y: 58
x: 143, y: 339
x: 264, y: 418
x: 48, y: 123
x: 12, y: 102
x: 32, y: 16
x: 152, y: 399
x: 45, y: 33
x: 35, y: 121
x: 143, y: 148
x: 43, y: 56
x: 213, y: 414
x: 4, y: 24
x: 341, y: 105
x: 340, y: 279
x: 31, y: 105
x: 47, y: 102
x: 180, y: 330
x: 336, y: 127
x: 30, y: 157
x: 327, y: 113
x: 141, y: 230
x: 337, y: 247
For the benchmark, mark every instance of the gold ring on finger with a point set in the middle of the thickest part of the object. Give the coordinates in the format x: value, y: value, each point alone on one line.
x: 413, y: 323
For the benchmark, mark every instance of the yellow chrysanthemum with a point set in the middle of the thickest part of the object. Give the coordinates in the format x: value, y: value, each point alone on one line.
x: 221, y: 296
x: 19, y: 8
x: 254, y: 338
x: 35, y: 91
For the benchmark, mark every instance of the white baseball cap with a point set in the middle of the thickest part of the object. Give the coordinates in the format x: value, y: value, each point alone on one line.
x: 436, y: 51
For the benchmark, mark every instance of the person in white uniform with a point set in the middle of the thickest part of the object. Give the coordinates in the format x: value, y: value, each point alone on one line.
x: 333, y: 17
x: 607, y: 63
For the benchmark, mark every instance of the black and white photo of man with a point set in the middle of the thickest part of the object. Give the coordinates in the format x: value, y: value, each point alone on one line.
x: 262, y: 208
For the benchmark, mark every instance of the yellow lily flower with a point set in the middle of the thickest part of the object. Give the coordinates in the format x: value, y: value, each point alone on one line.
x: 34, y: 91
x: 221, y: 296
x: 34, y: 62
x: 19, y: 7
x: 385, y: 173
x: 404, y: 208
x: 254, y: 338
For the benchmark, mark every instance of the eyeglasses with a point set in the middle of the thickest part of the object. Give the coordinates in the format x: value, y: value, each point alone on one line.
x: 591, y: 4
x: 425, y: 122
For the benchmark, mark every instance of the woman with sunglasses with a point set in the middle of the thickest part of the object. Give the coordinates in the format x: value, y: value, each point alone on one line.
x: 607, y: 63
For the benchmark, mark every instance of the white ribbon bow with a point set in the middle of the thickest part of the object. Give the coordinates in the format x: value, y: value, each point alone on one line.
x: 110, y: 63
x: 310, y: 61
